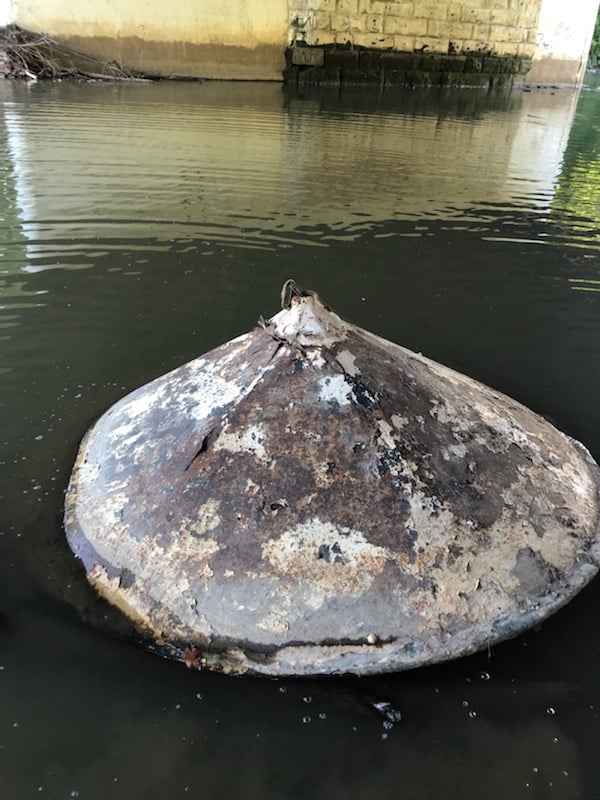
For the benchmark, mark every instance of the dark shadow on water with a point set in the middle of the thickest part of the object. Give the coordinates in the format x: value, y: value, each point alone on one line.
x: 439, y: 102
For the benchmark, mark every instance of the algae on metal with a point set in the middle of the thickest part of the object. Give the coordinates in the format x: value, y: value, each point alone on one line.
x: 310, y: 498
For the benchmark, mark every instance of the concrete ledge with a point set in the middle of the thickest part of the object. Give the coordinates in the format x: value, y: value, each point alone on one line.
x: 31, y: 54
x: 552, y: 71
x: 181, y: 59
x: 337, y: 64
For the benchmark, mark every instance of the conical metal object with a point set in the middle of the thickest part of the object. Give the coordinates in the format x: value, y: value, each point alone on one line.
x: 312, y: 499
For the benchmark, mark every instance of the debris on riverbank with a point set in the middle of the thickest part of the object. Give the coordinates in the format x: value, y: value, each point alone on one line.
x: 32, y: 56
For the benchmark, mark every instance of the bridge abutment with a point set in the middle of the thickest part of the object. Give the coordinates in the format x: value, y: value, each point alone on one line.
x: 410, y: 42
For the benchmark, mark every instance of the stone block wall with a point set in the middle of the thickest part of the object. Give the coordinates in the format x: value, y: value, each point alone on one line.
x: 501, y: 27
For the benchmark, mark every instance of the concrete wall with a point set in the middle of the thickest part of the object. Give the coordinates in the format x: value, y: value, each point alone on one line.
x: 563, y: 41
x: 243, y: 39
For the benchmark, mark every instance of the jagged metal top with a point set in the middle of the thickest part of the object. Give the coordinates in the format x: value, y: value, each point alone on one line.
x: 310, y: 498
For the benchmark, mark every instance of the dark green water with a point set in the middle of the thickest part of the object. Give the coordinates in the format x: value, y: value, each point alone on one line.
x: 143, y: 225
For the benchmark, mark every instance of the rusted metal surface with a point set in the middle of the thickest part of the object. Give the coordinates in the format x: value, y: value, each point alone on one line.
x: 310, y: 498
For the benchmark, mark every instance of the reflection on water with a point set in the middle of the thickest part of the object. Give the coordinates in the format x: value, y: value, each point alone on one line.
x: 578, y: 191
x: 143, y: 225
x: 263, y: 169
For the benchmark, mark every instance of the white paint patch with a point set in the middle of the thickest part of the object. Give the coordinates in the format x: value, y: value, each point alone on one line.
x: 308, y: 322
x: 572, y: 470
x: 143, y: 401
x: 582, y: 482
x: 88, y: 472
x: 441, y: 412
x: 337, y: 559
x: 347, y: 361
x: 399, y: 421
x: 385, y: 434
x: 209, y: 391
x: 207, y: 520
x: 234, y: 352
x: 316, y: 359
x: 454, y: 451
x: 125, y: 446
x: 335, y: 388
x: 501, y: 419
x: 432, y: 522
x: 247, y: 441
x: 197, y: 389
x: 274, y: 623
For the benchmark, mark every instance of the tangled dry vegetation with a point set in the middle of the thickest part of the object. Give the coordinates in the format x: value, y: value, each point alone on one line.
x: 31, y: 56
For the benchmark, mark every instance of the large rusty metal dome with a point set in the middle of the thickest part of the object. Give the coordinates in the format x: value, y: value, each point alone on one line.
x: 310, y: 498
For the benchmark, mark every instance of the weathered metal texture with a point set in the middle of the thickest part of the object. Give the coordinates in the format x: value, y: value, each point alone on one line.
x: 310, y: 498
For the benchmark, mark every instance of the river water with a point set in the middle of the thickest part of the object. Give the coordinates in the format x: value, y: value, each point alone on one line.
x: 145, y: 224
